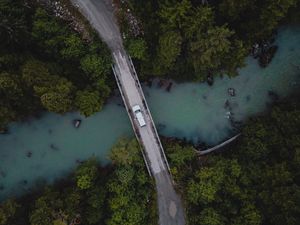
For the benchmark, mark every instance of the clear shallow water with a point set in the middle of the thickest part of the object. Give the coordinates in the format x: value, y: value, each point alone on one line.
x: 190, y: 110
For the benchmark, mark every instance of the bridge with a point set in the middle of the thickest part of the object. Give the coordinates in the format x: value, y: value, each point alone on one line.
x: 99, y: 13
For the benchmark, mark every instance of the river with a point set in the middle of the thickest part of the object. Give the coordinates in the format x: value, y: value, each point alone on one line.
x: 49, y: 148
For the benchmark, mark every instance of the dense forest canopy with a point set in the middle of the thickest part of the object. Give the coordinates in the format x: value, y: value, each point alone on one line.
x: 45, y: 65
x: 190, y: 39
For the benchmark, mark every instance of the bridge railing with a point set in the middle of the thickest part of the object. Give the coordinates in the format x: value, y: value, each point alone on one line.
x: 124, y: 97
x: 148, y: 109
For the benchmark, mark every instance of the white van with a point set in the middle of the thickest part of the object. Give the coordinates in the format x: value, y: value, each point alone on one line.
x: 138, y: 114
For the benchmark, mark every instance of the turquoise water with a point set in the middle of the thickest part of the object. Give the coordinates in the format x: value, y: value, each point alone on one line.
x: 190, y: 110
x: 197, y: 112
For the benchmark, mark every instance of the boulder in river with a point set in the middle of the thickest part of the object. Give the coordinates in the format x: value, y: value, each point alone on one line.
x: 168, y: 89
x: 267, y: 55
x: 2, y: 174
x: 54, y: 147
x: 210, y: 80
x: 77, y: 123
x: 273, y: 95
x: 4, y: 130
x: 29, y: 154
x: 231, y: 91
x: 227, y: 105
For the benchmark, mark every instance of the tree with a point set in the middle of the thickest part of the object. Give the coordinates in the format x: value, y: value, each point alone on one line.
x: 95, y: 66
x: 129, y: 190
x: 96, y: 205
x: 86, y: 174
x: 45, y: 208
x: 7, y: 114
x: 9, y: 88
x: 7, y: 211
x: 49, y: 34
x: 137, y: 48
x: 74, y: 48
x: 168, y: 50
x: 233, y: 9
x: 209, y: 48
x: 125, y: 152
x: 175, y: 14
x: 209, y: 216
x: 88, y: 102
x: 13, y: 27
x: 56, y: 102
x: 35, y: 72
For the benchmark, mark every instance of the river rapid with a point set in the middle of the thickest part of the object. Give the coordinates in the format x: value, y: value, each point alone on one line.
x: 48, y: 148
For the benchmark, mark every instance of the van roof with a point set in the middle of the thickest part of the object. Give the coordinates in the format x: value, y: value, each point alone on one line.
x: 136, y: 107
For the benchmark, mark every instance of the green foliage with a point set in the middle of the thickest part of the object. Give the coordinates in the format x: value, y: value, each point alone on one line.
x: 12, y: 23
x: 175, y: 13
x: 9, y: 86
x: 125, y: 152
x: 86, y: 174
x: 181, y: 158
x: 45, y: 208
x: 268, y: 14
x: 215, y: 37
x: 56, y: 102
x: 7, y: 211
x: 209, y: 216
x: 67, y: 68
x: 88, y: 102
x: 95, y: 203
x: 130, y: 190
x: 94, y: 66
x: 35, y: 72
x: 256, y: 182
x: 48, y: 32
x: 137, y: 48
x: 210, y: 48
x: 74, y: 47
x: 168, y: 50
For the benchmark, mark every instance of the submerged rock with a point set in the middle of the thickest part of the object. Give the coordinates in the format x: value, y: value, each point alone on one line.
x: 248, y: 98
x: 231, y: 91
x: 3, y: 174
x: 78, y: 161
x: 77, y: 123
x: 210, y: 80
x: 264, y: 51
x: 168, y: 89
x: 273, y: 95
x: 29, y: 154
x: 4, y: 130
x: 24, y: 182
x: 267, y: 56
x: 54, y: 147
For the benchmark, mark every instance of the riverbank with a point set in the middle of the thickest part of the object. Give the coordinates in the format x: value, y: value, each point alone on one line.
x: 194, y: 111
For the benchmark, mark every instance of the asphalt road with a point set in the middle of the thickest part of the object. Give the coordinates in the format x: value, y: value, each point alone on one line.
x: 100, y: 15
